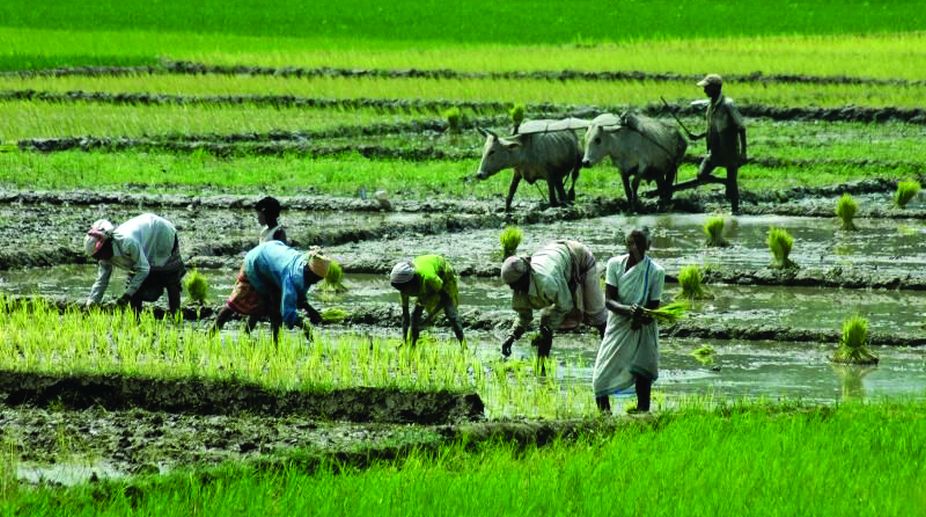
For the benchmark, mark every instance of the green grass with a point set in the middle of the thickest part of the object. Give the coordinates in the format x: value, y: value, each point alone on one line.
x: 517, y: 21
x: 98, y: 342
x: 524, y: 91
x: 858, y: 459
x: 342, y: 176
x: 846, y: 208
x: 21, y: 120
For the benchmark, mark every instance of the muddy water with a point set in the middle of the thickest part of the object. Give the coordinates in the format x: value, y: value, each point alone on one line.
x: 890, y: 246
x: 811, y: 308
x: 38, y: 226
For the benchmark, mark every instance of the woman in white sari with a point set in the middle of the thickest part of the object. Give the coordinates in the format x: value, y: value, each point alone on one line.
x: 629, y: 352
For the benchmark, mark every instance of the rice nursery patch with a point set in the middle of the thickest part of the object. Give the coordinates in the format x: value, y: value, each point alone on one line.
x: 42, y: 340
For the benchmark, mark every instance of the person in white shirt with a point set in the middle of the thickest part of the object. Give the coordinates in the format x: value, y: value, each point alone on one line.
x: 268, y: 215
x: 148, y: 248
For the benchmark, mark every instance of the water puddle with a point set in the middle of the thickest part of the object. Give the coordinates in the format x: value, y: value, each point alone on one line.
x: 67, y: 474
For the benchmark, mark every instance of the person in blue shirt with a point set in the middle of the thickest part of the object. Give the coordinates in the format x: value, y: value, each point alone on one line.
x: 272, y: 283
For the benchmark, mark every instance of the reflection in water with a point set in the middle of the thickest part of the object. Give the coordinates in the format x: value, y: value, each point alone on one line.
x: 851, y: 378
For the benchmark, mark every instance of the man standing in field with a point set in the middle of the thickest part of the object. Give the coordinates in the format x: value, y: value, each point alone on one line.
x: 726, y: 138
x: 147, y: 247
x: 561, y: 278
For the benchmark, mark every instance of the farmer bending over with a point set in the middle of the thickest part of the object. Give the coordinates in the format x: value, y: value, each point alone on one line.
x: 726, y: 138
x: 562, y: 279
x: 430, y: 279
x: 147, y: 247
x: 272, y: 283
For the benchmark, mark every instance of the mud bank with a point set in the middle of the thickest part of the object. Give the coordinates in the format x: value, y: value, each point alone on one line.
x: 197, y: 68
x: 215, y: 397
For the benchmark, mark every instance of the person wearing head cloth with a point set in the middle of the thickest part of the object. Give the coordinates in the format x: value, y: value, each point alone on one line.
x: 148, y: 248
x: 272, y: 283
x: 268, y: 215
x: 726, y: 138
x: 629, y: 351
x: 561, y: 278
x: 432, y: 281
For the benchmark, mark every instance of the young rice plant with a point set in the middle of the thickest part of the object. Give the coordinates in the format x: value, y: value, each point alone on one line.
x: 906, y: 191
x: 510, y: 238
x: 846, y: 208
x: 780, y: 243
x: 691, y: 279
x: 197, y: 287
x: 853, y: 345
x: 713, y: 229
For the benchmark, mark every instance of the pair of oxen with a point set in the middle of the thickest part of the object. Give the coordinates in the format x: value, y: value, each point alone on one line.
x: 641, y: 147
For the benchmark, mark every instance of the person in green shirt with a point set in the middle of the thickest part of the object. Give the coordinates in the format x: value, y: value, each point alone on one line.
x: 430, y: 279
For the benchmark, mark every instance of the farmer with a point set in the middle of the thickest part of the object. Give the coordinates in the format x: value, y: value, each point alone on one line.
x: 272, y: 283
x: 562, y: 279
x: 629, y: 351
x: 268, y: 214
x: 726, y: 138
x: 431, y: 279
x: 147, y: 247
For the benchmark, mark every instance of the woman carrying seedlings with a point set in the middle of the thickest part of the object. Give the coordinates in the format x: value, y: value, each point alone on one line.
x: 562, y: 279
x: 430, y: 279
x: 629, y: 351
x: 148, y: 248
x: 272, y: 283
x: 268, y: 214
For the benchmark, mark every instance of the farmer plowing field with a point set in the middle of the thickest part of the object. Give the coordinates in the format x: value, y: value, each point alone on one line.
x: 726, y: 138
x: 561, y: 278
x: 431, y: 279
x: 273, y: 283
x: 148, y: 248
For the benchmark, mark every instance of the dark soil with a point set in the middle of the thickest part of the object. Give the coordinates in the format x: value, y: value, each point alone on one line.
x: 226, y: 397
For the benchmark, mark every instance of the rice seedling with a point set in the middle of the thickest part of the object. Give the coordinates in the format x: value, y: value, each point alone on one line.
x: 906, y: 191
x: 334, y: 315
x: 510, y: 239
x: 668, y: 314
x: 334, y: 279
x: 846, y: 208
x: 853, y: 345
x: 713, y: 229
x: 197, y: 286
x: 704, y: 354
x: 691, y: 279
x: 517, y: 115
x: 454, y: 118
x: 780, y: 243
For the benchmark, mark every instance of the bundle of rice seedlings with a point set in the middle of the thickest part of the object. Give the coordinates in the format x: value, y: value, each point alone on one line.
x: 846, y: 208
x: 691, y: 279
x: 334, y: 315
x: 517, y: 115
x: 668, y: 314
x: 853, y: 346
x: 197, y: 287
x: 334, y: 280
x: 906, y: 191
x: 704, y: 354
x: 454, y: 119
x: 780, y: 243
x: 713, y: 229
x: 510, y: 238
